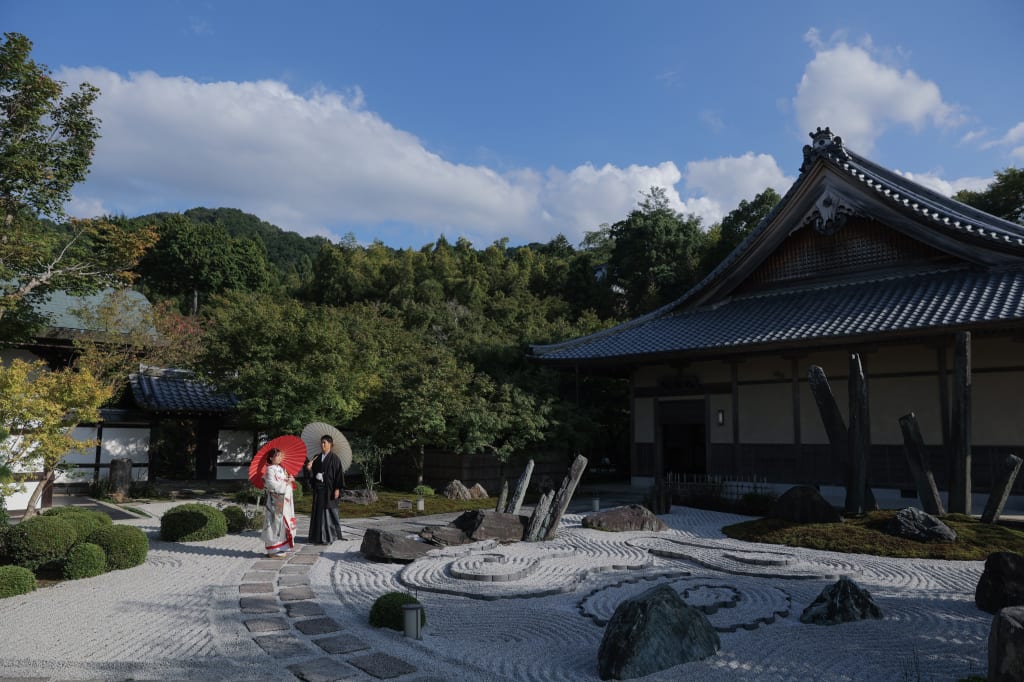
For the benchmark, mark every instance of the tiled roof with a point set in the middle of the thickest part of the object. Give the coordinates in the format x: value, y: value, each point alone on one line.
x: 889, y: 305
x: 61, y: 308
x: 177, y: 391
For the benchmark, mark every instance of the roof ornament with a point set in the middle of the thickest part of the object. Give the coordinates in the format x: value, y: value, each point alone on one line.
x: 829, y: 215
x: 823, y: 143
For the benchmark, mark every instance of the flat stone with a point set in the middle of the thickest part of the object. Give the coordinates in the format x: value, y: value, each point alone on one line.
x: 294, y: 570
x: 292, y: 580
x: 311, y: 549
x: 382, y: 666
x: 266, y: 624
x: 304, y: 559
x: 282, y: 646
x: 298, y: 609
x: 268, y: 565
x: 295, y: 593
x: 258, y: 605
x: 258, y: 576
x: 317, y: 626
x: 323, y: 670
x: 341, y: 644
x: 256, y: 588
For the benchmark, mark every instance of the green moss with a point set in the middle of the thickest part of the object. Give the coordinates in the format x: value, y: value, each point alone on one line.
x: 125, y: 546
x: 193, y: 522
x: 84, y: 561
x: 387, y: 612
x: 15, y: 580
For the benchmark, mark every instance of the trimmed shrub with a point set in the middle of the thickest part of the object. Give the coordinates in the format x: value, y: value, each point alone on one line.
x: 84, y: 521
x: 386, y: 612
x: 84, y: 561
x: 192, y: 522
x: 39, y: 541
x: 125, y: 546
x: 15, y: 580
x: 235, y: 517
x: 256, y: 521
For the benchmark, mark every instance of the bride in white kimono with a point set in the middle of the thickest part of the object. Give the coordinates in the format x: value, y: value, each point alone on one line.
x: 279, y: 515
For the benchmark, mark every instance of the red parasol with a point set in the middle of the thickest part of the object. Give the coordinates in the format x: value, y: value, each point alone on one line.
x: 294, y: 458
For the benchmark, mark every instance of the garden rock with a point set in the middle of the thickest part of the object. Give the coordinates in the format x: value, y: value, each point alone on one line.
x: 478, y: 492
x: 484, y: 524
x: 457, y: 491
x: 1006, y: 646
x: 804, y: 504
x: 840, y: 603
x: 444, y: 535
x: 651, y: 632
x: 914, y: 524
x: 381, y: 545
x: 362, y: 497
x: 630, y: 517
x: 1001, y: 583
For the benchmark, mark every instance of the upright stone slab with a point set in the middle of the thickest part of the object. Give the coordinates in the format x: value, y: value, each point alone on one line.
x: 535, y: 531
x: 960, y: 427
x: 120, y: 475
x: 920, y: 468
x: 564, y: 495
x: 516, y: 502
x: 503, y: 497
x: 1006, y: 646
x: 858, y: 438
x: 1007, y: 474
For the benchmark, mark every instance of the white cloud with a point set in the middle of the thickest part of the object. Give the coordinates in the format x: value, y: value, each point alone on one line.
x: 724, y: 182
x: 947, y: 187
x: 859, y: 97
x: 321, y: 163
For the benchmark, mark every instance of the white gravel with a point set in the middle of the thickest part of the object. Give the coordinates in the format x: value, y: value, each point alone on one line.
x: 178, y: 615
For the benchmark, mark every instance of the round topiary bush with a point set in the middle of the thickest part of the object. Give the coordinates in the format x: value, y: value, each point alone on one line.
x: 386, y: 612
x: 125, y: 546
x: 235, y: 516
x: 39, y: 541
x: 84, y: 561
x: 191, y: 522
x: 15, y: 580
x: 84, y: 521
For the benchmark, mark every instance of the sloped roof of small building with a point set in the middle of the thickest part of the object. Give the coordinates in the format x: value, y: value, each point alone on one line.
x: 178, y: 391
x: 61, y: 309
x: 968, y: 272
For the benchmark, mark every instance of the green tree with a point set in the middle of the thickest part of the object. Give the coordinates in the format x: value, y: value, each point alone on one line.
x: 734, y: 228
x: 1003, y: 198
x: 47, y: 138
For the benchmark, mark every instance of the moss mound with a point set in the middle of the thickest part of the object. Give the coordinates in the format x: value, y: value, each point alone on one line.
x: 15, y: 580
x: 39, y: 541
x: 84, y: 561
x: 387, y: 612
x: 193, y: 522
x: 125, y: 546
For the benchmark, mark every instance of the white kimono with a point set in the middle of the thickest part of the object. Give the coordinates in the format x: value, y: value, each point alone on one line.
x: 279, y: 514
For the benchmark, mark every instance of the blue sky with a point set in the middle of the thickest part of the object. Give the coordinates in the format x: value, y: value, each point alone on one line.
x: 402, y: 121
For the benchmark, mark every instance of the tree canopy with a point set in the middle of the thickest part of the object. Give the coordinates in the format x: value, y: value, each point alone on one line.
x: 1003, y: 198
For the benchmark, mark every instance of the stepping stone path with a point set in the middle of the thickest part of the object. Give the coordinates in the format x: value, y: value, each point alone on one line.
x: 285, y: 621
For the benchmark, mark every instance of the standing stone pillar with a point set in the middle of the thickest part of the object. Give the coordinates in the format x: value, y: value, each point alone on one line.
x: 564, y: 494
x: 516, y: 501
x: 960, y: 427
x: 920, y: 468
x: 1008, y: 471
x: 859, y: 437
x: 120, y: 475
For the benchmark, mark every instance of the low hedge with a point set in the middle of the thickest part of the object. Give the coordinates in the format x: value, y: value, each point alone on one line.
x: 193, y: 522
x: 84, y: 521
x: 125, y: 546
x: 386, y: 611
x: 15, y: 580
x: 84, y: 561
x: 236, y: 518
x: 39, y: 541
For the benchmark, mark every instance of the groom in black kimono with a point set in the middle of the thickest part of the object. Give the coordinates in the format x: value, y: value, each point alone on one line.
x: 325, y: 477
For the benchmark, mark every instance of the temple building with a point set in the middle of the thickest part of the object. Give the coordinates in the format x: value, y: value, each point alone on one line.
x: 855, y: 258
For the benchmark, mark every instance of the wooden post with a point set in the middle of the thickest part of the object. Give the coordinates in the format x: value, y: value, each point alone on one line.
x: 920, y: 468
x: 858, y: 438
x: 1001, y: 490
x: 960, y: 427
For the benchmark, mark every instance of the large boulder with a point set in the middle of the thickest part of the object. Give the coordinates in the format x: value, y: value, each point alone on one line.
x: 804, y: 504
x: 1006, y: 646
x: 362, y: 496
x: 444, y: 535
x: 840, y: 603
x: 914, y: 524
x: 654, y: 631
x: 630, y: 517
x: 486, y: 524
x: 478, y: 492
x: 1001, y: 583
x: 457, y: 491
x: 382, y: 545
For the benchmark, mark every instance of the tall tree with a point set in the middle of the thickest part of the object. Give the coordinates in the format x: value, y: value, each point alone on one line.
x: 47, y: 139
x: 1003, y: 198
x: 734, y: 228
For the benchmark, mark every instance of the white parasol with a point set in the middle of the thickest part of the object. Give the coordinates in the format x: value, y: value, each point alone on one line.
x: 313, y: 432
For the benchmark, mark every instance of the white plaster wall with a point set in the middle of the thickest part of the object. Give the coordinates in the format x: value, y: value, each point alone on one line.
x: 130, y: 442
x: 234, y: 447
x: 892, y: 398
x: 766, y: 413
x: 83, y: 456
x: 723, y: 433
x: 997, y: 409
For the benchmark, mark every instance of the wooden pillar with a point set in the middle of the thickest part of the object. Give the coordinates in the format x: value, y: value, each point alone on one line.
x: 734, y: 378
x: 960, y: 426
